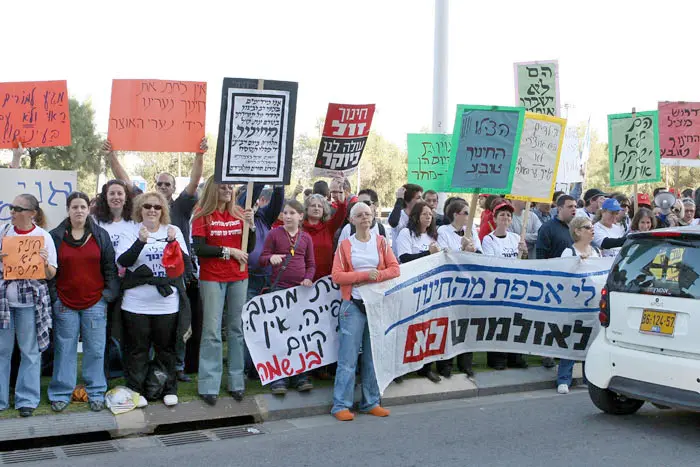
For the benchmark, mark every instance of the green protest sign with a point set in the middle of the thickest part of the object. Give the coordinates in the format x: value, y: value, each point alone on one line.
x: 537, y: 86
x: 429, y: 160
x: 633, y: 148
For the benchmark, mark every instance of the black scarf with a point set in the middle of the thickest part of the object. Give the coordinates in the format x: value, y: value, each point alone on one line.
x: 68, y: 238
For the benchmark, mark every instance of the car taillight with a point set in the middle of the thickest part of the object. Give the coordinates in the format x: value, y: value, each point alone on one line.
x: 665, y: 234
x: 604, y: 315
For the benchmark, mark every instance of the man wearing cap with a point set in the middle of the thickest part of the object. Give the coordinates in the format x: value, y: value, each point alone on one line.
x: 593, y: 198
x: 608, y: 234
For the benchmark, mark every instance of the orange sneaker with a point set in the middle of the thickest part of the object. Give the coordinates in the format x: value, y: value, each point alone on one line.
x: 379, y: 411
x: 344, y: 416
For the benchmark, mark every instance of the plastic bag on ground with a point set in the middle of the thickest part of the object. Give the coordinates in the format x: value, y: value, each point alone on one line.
x: 121, y: 400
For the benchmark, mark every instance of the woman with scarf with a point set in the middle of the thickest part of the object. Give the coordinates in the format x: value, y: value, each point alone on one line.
x: 86, y: 281
x: 25, y: 309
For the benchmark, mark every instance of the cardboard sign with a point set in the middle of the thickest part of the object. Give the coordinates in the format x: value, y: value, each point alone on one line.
x: 23, y: 260
x: 157, y: 116
x: 344, y: 137
x: 633, y: 148
x: 36, y: 114
x: 679, y: 130
x: 485, y: 142
x: 538, y: 158
x: 429, y: 157
x: 537, y: 86
x: 256, y: 131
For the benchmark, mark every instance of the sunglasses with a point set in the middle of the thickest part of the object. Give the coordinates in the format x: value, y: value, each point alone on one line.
x: 157, y: 207
x: 166, y: 184
x: 368, y: 203
x: 19, y: 209
x: 587, y: 227
x: 624, y: 206
x: 677, y: 211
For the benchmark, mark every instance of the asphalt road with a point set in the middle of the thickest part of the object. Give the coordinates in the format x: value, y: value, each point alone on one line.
x: 528, y: 429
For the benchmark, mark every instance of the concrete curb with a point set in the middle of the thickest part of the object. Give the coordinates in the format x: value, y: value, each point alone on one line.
x: 268, y: 407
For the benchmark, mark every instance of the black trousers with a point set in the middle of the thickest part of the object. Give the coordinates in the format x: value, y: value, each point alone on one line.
x: 192, y: 344
x: 140, y: 333
x: 500, y: 359
x: 464, y: 363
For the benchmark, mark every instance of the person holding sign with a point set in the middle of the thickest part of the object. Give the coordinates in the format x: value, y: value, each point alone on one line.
x: 25, y: 305
x: 86, y: 281
x: 364, y: 257
x: 609, y: 234
x: 217, y: 237
x: 155, y: 309
x: 505, y: 244
x: 321, y: 226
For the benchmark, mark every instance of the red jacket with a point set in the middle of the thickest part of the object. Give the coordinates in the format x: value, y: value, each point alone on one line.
x: 487, y: 224
x: 322, y: 237
x: 345, y: 276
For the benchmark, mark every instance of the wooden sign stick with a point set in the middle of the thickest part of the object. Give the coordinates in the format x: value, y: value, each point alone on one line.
x: 523, y: 229
x: 472, y: 213
x: 636, y: 201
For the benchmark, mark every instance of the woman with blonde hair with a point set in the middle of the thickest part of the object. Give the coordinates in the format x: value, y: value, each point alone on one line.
x: 155, y: 309
x: 321, y: 226
x: 217, y: 237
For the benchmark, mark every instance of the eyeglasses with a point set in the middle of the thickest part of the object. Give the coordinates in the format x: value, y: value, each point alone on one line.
x: 676, y: 210
x: 19, y: 209
x: 368, y: 202
x: 157, y: 207
x: 587, y: 227
x: 166, y: 184
x: 624, y: 206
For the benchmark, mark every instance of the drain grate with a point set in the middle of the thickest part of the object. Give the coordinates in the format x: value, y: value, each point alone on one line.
x: 179, y: 439
x: 231, y: 432
x: 30, y: 455
x: 89, y: 449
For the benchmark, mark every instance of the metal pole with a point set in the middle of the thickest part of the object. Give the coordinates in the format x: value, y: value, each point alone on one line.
x: 440, y: 125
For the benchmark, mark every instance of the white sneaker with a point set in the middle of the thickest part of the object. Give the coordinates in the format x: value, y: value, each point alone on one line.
x: 141, y: 403
x: 170, y: 400
x: 563, y: 389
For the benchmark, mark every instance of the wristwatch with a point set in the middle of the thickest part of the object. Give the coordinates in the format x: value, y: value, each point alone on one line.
x: 252, y: 227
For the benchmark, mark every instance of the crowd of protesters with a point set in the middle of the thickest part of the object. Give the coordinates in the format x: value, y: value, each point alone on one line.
x: 163, y: 278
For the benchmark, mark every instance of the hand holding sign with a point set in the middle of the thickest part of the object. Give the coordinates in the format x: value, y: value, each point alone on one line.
x: 24, y: 258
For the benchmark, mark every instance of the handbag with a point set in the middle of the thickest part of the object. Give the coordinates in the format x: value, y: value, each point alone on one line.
x: 172, y: 260
x: 285, y: 263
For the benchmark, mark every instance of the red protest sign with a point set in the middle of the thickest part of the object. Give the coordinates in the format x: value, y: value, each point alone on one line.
x: 344, y: 137
x: 155, y: 115
x: 35, y: 114
x: 23, y: 260
x: 679, y: 130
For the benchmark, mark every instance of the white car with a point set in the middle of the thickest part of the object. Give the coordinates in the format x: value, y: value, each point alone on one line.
x: 649, y: 346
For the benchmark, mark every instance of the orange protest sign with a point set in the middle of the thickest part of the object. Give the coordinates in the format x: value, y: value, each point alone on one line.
x: 154, y: 115
x: 23, y: 260
x: 35, y: 114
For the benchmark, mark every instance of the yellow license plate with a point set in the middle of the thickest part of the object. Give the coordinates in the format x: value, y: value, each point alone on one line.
x: 658, y: 322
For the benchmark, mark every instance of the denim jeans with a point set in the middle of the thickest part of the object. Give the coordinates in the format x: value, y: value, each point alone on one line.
x: 91, y: 325
x: 565, y: 373
x: 214, y: 295
x: 28, y: 385
x: 354, y: 333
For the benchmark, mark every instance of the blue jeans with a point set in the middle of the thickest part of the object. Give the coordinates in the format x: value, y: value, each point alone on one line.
x: 354, y: 333
x: 565, y: 373
x: 91, y: 325
x: 28, y: 385
x: 214, y: 294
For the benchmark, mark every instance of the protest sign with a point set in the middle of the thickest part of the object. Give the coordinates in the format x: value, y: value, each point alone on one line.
x: 537, y: 86
x: 22, y: 260
x: 679, y: 130
x: 450, y: 303
x: 429, y: 160
x: 573, y: 156
x: 35, y: 114
x: 256, y: 131
x: 633, y: 147
x: 538, y: 158
x: 157, y: 116
x: 50, y: 187
x: 485, y: 143
x: 293, y: 330
x: 344, y: 137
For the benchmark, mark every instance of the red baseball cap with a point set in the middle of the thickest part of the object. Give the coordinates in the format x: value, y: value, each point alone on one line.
x: 504, y: 205
x: 643, y: 199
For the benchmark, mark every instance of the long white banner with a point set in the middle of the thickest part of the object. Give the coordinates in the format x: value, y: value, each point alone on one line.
x: 450, y: 303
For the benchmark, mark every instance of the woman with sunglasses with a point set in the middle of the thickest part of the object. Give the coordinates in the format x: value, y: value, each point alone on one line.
x: 155, y: 309
x: 581, y: 229
x: 217, y: 237
x: 86, y: 281
x: 25, y: 309
x: 608, y: 234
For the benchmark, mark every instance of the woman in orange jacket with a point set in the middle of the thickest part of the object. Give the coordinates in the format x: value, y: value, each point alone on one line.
x: 362, y: 258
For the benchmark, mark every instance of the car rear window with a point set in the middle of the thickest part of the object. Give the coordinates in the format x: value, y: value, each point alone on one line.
x: 658, y: 266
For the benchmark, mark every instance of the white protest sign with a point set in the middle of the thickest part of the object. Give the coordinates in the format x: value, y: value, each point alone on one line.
x: 450, y: 303
x: 570, y: 163
x: 538, y: 158
x: 292, y: 331
x: 50, y: 187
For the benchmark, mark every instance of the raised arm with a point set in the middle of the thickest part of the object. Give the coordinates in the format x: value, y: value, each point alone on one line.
x: 197, y: 168
x: 115, y: 165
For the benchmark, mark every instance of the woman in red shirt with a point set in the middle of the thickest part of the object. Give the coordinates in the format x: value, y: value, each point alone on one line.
x: 86, y: 280
x: 217, y: 236
x: 321, y: 226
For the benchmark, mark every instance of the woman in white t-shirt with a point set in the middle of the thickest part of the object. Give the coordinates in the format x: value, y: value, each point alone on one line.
x: 417, y: 240
x: 151, y: 300
x: 608, y: 234
x: 581, y: 229
x: 22, y: 301
x: 505, y: 244
x: 113, y: 210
